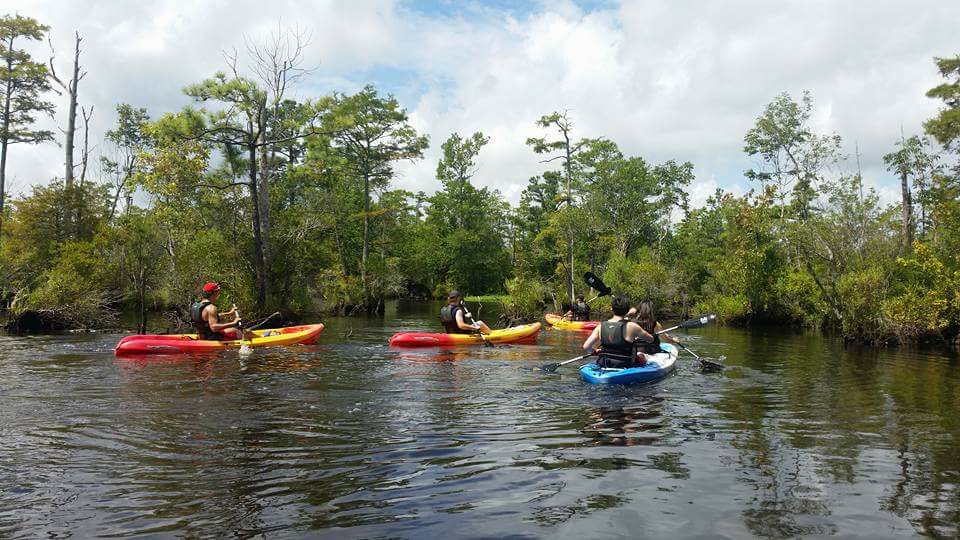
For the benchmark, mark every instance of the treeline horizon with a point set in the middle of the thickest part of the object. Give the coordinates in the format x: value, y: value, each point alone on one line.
x: 290, y: 204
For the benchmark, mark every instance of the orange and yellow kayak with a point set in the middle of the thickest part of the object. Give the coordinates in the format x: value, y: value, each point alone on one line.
x: 560, y: 323
x: 524, y: 332
x: 188, y: 343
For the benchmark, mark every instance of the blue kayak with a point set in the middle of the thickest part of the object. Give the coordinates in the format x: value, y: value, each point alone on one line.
x: 658, y: 366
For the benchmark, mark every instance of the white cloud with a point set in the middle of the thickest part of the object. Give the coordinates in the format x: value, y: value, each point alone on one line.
x: 666, y: 80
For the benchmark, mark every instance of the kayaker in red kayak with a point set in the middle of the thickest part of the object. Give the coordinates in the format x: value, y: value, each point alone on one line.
x: 579, y: 311
x: 206, y: 319
x: 454, y: 317
x: 618, y: 339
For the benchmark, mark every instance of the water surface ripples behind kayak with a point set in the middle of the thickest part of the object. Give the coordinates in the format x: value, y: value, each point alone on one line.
x: 802, y: 436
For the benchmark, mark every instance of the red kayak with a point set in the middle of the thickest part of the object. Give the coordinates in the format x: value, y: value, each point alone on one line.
x: 188, y: 343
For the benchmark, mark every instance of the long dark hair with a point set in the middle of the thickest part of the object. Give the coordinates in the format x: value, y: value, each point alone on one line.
x: 647, y: 317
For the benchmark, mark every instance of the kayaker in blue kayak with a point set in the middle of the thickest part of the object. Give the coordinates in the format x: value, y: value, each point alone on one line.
x: 618, y: 340
x: 206, y: 319
x: 454, y: 317
x: 646, y: 317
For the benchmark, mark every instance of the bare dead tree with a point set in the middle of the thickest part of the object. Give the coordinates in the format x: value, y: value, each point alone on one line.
x: 70, y: 87
x: 277, y: 63
x: 84, y: 159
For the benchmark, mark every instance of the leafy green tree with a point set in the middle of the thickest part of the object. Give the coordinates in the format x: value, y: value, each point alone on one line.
x: 22, y: 85
x: 565, y: 150
x: 137, y: 247
x: 794, y: 158
x: 945, y: 127
x: 248, y: 122
x: 630, y: 201
x: 371, y: 133
x: 471, y: 253
x: 129, y: 139
x: 535, y: 252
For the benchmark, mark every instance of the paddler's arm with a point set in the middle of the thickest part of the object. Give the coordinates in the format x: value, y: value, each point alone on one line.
x: 639, y: 333
x: 218, y: 326
x: 590, y: 345
x: 462, y: 323
x: 666, y: 337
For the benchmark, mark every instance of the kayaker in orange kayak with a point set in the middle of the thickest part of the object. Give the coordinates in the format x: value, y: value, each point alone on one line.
x: 454, y: 317
x: 579, y: 311
x: 206, y: 319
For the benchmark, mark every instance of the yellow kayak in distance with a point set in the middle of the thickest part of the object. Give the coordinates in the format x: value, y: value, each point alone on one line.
x: 560, y: 323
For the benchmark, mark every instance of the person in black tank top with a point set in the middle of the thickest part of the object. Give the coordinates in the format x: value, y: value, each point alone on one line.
x: 616, y: 339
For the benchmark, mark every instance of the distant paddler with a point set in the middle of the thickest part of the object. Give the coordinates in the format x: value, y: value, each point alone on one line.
x: 454, y: 317
x: 579, y: 311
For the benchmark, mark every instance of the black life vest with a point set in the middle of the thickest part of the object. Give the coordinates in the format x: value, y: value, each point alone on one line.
x: 448, y: 317
x: 201, y: 326
x: 615, y: 350
x: 581, y: 311
x: 650, y: 347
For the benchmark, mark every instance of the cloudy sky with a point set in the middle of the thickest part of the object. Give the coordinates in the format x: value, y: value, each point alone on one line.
x: 664, y: 79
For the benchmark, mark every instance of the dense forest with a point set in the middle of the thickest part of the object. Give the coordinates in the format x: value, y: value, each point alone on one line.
x: 291, y: 205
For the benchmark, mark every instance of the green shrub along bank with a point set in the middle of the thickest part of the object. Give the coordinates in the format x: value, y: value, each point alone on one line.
x: 292, y: 205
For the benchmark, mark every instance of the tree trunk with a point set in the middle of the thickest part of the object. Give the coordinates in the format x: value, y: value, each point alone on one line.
x: 366, y: 231
x: 570, y: 293
x: 907, y: 214
x: 142, y: 327
x: 340, y: 251
x: 83, y: 169
x: 116, y: 200
x: 71, y: 117
x: 3, y: 178
x: 263, y: 191
x: 259, y: 263
x: 6, y: 141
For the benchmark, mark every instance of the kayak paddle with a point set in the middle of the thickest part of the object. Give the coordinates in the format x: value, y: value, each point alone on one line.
x: 245, y: 350
x: 708, y: 365
x: 265, y: 321
x: 466, y: 313
x: 550, y: 368
x: 596, y: 284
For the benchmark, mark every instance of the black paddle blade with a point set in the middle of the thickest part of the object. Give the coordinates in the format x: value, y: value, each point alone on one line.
x: 699, y: 322
x: 551, y: 368
x: 711, y: 366
x: 596, y: 283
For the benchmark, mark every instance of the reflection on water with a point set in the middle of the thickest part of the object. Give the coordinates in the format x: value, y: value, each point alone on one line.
x: 639, y: 423
x: 800, y: 437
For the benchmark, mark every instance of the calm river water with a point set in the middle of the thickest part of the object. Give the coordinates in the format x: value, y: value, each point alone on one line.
x: 801, y: 436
